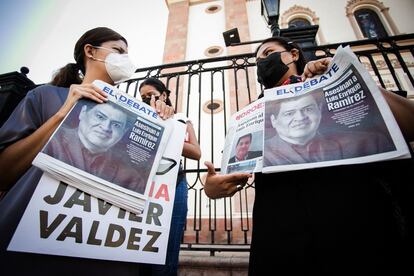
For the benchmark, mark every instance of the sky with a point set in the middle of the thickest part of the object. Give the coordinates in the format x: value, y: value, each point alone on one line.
x: 41, y: 34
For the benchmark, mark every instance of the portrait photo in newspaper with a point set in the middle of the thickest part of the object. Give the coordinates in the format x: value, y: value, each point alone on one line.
x: 243, y: 149
x: 314, y: 127
x: 109, y: 150
x: 341, y: 121
x: 99, y: 139
x: 247, y: 146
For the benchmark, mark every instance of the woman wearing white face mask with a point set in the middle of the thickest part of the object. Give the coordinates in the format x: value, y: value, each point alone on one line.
x: 100, y: 54
x: 118, y: 64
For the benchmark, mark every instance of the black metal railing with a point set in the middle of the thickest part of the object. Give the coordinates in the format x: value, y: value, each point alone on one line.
x: 209, y: 90
x: 381, y: 56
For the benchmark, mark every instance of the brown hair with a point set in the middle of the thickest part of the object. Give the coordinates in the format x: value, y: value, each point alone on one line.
x: 69, y: 74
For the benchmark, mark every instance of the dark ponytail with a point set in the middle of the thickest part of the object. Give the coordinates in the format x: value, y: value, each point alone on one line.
x: 70, y: 74
x: 67, y: 75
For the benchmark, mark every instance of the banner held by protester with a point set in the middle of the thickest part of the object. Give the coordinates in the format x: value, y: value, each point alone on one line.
x: 61, y: 220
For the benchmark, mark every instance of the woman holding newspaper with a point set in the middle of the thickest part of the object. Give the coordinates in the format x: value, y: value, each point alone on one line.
x: 324, y: 221
x: 154, y: 88
x: 100, y: 54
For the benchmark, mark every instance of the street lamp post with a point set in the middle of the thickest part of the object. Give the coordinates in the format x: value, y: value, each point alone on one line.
x: 270, y: 12
x: 304, y: 36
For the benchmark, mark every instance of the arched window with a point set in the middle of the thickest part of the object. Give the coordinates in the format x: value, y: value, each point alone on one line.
x: 298, y: 16
x: 369, y: 23
x: 298, y: 22
x: 370, y: 19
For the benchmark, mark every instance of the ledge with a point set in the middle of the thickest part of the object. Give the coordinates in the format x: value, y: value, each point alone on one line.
x: 221, y: 260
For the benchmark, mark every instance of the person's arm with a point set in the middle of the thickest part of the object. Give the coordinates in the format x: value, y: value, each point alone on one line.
x: 191, y: 147
x: 315, y: 67
x: 17, y: 158
x: 403, y: 111
x: 218, y: 186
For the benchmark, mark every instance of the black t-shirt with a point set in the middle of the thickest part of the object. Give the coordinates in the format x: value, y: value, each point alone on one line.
x: 333, y: 220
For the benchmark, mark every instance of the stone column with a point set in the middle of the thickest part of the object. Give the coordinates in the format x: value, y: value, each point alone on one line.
x: 236, y: 17
x: 176, y: 43
x: 354, y: 25
x: 390, y: 21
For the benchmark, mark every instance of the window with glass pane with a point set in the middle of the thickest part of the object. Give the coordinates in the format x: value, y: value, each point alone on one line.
x: 298, y: 22
x: 370, y: 24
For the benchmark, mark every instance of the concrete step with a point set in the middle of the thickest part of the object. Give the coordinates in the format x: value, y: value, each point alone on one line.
x: 200, y: 263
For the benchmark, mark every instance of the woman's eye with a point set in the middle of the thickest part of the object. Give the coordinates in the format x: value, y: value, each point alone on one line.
x: 118, y: 51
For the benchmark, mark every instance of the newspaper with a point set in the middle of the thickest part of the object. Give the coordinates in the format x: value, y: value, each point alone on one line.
x: 337, y: 118
x: 244, y: 140
x: 109, y: 150
x: 60, y: 220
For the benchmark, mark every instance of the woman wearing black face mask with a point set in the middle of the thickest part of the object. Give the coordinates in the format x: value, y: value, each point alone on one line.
x: 325, y: 221
x: 273, y: 62
x: 280, y: 62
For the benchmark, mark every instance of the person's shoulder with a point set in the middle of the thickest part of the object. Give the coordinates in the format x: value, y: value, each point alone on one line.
x: 274, y: 143
x: 48, y: 88
x: 47, y: 91
x: 68, y: 133
x: 363, y: 142
x: 130, y: 176
x: 357, y: 137
x: 65, y: 137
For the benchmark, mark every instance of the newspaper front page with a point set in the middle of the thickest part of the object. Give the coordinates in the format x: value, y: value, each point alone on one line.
x: 108, y: 150
x: 337, y: 118
x: 244, y: 140
x: 61, y: 220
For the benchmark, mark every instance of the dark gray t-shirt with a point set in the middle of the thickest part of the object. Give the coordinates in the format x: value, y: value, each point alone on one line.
x: 33, y: 111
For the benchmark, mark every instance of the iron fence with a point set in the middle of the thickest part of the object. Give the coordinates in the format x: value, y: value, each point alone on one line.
x: 208, y: 91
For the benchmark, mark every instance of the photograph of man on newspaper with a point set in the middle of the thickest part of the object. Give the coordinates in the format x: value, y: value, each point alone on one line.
x: 242, y: 150
x: 301, y: 130
x: 89, y: 140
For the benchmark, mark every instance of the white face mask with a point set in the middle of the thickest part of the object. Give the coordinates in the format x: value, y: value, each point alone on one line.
x: 118, y: 66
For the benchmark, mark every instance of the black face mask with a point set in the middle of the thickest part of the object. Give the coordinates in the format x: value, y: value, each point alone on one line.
x: 147, y: 100
x: 271, y: 69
